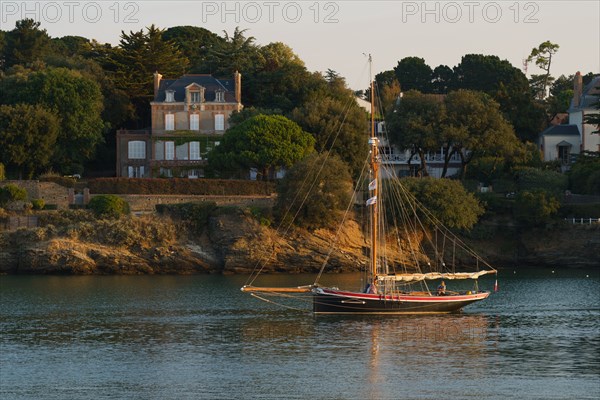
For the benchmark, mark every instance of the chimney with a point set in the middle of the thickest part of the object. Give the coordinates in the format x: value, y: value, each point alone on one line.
x: 157, y: 78
x: 577, y: 89
x: 237, y: 82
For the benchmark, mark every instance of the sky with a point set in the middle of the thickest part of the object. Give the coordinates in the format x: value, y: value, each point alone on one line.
x: 337, y: 34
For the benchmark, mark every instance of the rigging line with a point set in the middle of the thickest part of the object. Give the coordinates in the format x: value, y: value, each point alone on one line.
x: 251, y: 279
x: 279, y: 304
x: 339, y: 230
x: 462, y: 245
x: 447, y: 231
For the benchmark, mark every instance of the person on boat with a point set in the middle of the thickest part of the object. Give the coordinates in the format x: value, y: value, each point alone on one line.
x: 371, y: 288
x: 441, y: 290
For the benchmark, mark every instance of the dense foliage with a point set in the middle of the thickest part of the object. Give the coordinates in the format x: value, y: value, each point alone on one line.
x: 27, y: 138
x: 464, y: 122
x: 315, y: 192
x: 447, y: 199
x: 535, y: 207
x: 262, y: 142
x: 75, y: 100
x: 338, y: 126
x: 63, y: 99
x: 10, y: 193
x: 108, y: 206
x: 585, y: 174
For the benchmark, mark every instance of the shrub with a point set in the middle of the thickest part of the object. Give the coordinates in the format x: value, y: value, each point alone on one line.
x: 38, y: 204
x: 10, y: 193
x: 108, y: 206
x: 193, y: 215
x: 532, y: 179
x: 2, y: 173
x: 535, y: 207
x: 65, y: 181
x: 202, y: 187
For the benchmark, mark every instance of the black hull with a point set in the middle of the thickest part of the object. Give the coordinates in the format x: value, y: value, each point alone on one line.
x: 331, y: 302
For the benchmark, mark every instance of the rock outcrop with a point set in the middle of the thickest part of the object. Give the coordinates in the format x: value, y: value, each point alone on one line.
x: 235, y: 242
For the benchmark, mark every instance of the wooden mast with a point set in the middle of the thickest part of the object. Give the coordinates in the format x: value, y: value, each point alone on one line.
x: 375, y: 170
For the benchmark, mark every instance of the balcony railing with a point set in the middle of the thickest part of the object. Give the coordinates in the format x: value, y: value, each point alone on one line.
x: 403, y: 158
x: 176, y: 163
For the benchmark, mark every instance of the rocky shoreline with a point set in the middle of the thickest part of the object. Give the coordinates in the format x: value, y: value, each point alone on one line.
x: 236, y: 243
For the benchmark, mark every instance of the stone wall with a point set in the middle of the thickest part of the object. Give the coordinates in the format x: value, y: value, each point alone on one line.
x: 50, y: 192
x: 146, y: 202
x: 53, y: 193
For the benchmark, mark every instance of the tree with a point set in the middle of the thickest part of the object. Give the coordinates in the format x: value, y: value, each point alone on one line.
x: 139, y: 55
x: 414, y: 74
x: 27, y: 138
x: 442, y: 79
x: 25, y: 44
x: 315, y: 192
x: 415, y: 124
x: 447, y: 199
x: 196, y: 44
x: 262, y: 142
x: 338, y: 127
x: 505, y: 84
x: 234, y: 53
x: 542, y: 55
x: 70, y: 46
x: 475, y: 127
x: 74, y: 99
x: 277, y: 79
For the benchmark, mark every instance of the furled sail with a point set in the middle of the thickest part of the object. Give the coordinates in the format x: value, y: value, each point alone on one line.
x: 433, y: 275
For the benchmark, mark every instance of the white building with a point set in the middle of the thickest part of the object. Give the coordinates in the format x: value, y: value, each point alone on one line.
x: 561, y: 142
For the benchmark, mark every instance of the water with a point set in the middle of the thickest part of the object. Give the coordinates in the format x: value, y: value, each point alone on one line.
x: 199, y: 337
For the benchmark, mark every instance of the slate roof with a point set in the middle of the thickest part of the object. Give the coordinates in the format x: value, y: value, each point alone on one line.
x: 561, y: 130
x: 210, y: 83
x: 589, y: 95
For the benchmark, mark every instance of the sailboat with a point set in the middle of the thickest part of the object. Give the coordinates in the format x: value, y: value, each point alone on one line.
x: 390, y: 288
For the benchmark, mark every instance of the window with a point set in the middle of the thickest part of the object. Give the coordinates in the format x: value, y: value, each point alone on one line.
x: 195, y: 151
x: 165, y: 172
x: 563, y: 154
x: 182, y: 151
x: 194, y: 122
x: 169, y: 150
x: 159, y: 150
x: 136, y: 150
x: 219, y: 96
x: 219, y: 122
x: 135, y: 172
x: 169, y: 122
x: 195, y: 97
x: 169, y: 96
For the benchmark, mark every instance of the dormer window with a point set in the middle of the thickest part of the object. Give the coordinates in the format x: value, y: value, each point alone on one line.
x: 219, y: 96
x: 195, y: 97
x: 169, y: 96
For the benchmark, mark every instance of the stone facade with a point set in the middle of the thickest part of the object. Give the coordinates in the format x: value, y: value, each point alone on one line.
x: 189, y: 116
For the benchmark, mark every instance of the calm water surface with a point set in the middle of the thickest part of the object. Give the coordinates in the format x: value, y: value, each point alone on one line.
x: 199, y: 337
